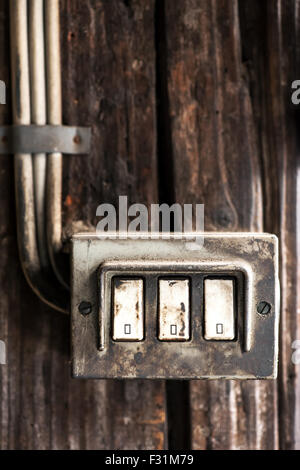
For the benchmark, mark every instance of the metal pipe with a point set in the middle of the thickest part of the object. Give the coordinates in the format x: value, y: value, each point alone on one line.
x: 38, y: 116
x: 54, y: 117
x: 44, y: 286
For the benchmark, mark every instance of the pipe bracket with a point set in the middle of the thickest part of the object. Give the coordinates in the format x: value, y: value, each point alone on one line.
x: 45, y: 139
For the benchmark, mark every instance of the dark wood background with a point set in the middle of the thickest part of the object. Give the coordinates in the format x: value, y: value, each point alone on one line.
x: 189, y: 101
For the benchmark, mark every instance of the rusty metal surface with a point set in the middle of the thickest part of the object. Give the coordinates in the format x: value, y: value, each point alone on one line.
x: 252, y: 259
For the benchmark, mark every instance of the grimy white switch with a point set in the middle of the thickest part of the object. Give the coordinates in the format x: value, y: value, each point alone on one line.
x: 219, y: 309
x: 174, y: 310
x: 128, y: 310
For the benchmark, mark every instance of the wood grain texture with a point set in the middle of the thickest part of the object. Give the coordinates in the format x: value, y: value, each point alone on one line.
x: 217, y: 162
x: 108, y: 69
x: 109, y: 83
x: 271, y: 51
x: 213, y: 76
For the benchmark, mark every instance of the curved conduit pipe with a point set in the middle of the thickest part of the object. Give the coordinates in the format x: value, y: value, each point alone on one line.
x: 38, y: 116
x: 41, y: 279
x: 54, y: 160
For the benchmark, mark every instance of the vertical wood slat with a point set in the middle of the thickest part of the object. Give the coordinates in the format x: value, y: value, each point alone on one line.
x: 217, y: 162
x: 109, y: 82
x: 282, y: 155
x: 7, y: 244
x: 271, y: 48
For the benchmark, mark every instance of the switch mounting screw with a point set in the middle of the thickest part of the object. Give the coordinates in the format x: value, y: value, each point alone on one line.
x: 263, y: 307
x: 85, y: 308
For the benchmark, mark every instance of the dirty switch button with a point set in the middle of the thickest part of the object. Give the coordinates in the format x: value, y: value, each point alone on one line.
x: 174, y: 310
x: 128, y: 310
x: 219, y: 309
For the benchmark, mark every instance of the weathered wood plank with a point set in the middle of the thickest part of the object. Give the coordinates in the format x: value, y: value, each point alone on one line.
x: 109, y: 82
x: 217, y: 162
x: 271, y: 50
x: 225, y: 75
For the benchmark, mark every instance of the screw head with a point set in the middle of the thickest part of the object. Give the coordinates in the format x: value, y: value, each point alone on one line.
x: 263, y: 308
x: 85, y: 308
x: 77, y: 139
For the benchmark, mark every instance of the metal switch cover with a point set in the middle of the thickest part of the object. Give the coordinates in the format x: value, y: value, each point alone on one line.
x: 142, y: 326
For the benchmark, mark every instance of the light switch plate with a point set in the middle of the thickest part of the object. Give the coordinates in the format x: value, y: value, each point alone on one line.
x: 249, y: 259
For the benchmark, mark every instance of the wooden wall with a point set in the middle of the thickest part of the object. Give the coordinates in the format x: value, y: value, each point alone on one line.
x: 189, y: 101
